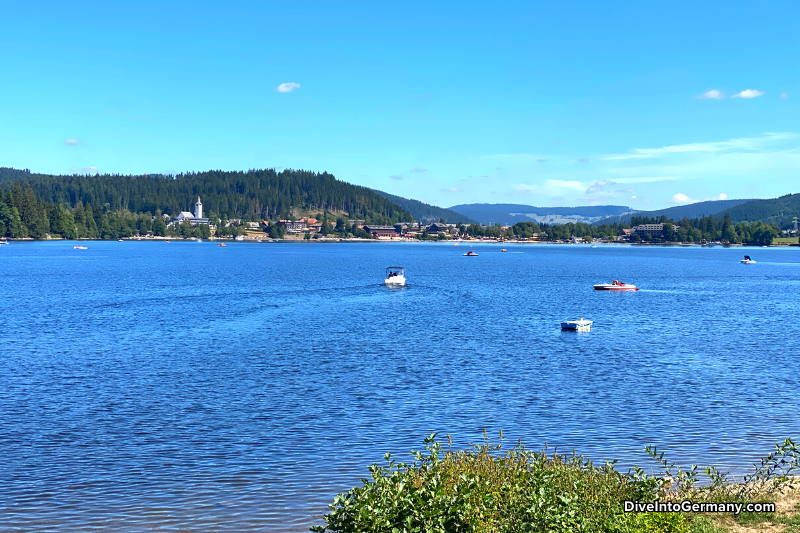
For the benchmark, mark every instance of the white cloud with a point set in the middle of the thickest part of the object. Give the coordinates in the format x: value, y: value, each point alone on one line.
x: 84, y: 170
x: 749, y: 93
x: 713, y: 94
x: 417, y: 169
x: 682, y: 199
x: 564, y: 184
x: 744, y: 143
x: 653, y: 179
x: 72, y: 142
x: 599, y: 186
x: 634, y: 197
x: 287, y: 87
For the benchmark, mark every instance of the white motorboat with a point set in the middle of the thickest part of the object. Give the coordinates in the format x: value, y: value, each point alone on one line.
x: 470, y: 254
x: 395, y: 277
x: 577, y: 325
x: 615, y: 286
x: 747, y: 260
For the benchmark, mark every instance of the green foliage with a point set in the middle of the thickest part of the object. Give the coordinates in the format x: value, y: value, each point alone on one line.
x: 487, y: 489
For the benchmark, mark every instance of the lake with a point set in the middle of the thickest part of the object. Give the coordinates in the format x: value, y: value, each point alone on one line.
x: 178, y: 386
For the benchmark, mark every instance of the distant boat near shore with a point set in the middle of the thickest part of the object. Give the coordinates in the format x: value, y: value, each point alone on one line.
x: 80, y: 247
x: 470, y: 254
x: 748, y: 261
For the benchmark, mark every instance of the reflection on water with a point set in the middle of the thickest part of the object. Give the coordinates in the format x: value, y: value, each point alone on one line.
x: 154, y: 386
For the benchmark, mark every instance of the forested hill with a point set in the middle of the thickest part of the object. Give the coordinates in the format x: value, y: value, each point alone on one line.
x: 427, y: 213
x: 255, y: 194
x: 696, y: 210
x: 510, y: 214
x: 778, y: 211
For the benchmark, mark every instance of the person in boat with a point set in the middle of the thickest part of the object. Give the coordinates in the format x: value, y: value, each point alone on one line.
x: 747, y: 258
x: 615, y: 282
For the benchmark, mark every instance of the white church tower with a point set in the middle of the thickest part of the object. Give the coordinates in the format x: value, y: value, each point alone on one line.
x: 198, y: 209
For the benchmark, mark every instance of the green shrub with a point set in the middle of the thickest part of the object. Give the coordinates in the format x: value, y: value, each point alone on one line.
x: 487, y: 489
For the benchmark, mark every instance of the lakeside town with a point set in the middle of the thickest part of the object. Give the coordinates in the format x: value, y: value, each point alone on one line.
x: 193, y: 225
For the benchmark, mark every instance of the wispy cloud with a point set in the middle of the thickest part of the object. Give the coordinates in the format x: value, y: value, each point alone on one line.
x: 287, y: 87
x: 398, y: 177
x: 84, y: 170
x: 749, y: 93
x: 566, y: 184
x: 599, y: 186
x: 419, y: 170
x: 652, y: 179
x: 744, y: 143
x: 72, y: 142
x: 451, y: 189
x: 712, y: 94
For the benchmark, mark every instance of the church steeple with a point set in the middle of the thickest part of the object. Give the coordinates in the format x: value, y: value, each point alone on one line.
x: 198, y: 209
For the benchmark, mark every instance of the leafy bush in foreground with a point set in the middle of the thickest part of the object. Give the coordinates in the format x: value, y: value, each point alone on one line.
x: 486, y: 489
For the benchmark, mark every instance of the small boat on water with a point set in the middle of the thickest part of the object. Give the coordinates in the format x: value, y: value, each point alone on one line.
x: 748, y: 261
x: 455, y: 244
x: 615, y: 286
x: 167, y: 241
x: 503, y: 250
x: 577, y: 325
x: 81, y: 247
x: 470, y: 254
x: 222, y: 244
x: 395, y: 277
x: 594, y: 246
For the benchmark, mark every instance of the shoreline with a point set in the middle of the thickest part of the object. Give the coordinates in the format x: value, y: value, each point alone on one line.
x: 328, y: 240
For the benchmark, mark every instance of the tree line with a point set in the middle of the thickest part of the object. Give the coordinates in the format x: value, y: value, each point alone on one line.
x: 701, y: 229
x: 115, y: 206
x: 252, y: 195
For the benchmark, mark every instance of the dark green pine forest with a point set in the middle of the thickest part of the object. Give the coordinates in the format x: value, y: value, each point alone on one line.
x: 114, y: 206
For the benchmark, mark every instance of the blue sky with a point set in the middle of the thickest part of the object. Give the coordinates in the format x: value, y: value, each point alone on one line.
x: 542, y: 103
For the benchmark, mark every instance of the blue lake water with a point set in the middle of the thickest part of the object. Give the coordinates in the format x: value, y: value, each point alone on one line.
x: 183, y: 386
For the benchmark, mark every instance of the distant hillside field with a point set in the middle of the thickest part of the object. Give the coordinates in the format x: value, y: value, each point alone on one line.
x: 254, y: 194
x: 510, y: 214
x: 679, y: 212
x: 427, y: 213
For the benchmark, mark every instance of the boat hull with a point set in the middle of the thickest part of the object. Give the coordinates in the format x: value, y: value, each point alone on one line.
x: 395, y: 281
x: 576, y: 325
x: 610, y: 287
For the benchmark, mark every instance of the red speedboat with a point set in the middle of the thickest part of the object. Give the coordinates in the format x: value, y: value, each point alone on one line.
x: 616, y: 286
